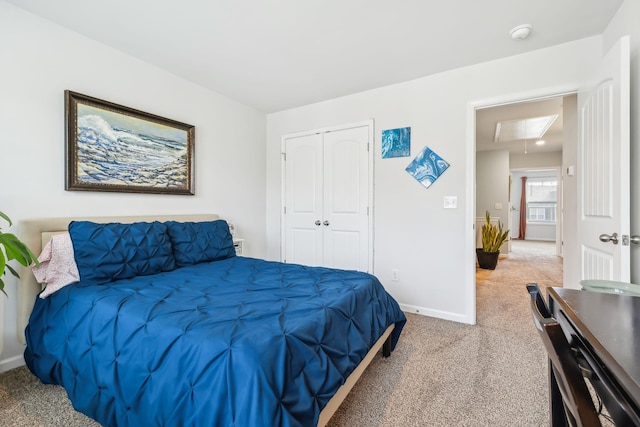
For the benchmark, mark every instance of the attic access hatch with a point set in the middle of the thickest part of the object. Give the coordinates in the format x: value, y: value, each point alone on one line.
x: 517, y: 130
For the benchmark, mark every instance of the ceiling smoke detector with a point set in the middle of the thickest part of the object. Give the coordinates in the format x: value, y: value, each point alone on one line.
x: 520, y: 32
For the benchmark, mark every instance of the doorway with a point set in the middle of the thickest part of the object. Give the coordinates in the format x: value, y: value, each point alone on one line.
x: 535, y: 207
x: 526, y: 138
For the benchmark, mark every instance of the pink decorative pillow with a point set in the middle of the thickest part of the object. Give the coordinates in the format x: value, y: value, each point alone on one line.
x: 57, y: 266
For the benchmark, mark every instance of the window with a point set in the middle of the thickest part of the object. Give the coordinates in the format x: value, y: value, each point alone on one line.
x: 542, y: 199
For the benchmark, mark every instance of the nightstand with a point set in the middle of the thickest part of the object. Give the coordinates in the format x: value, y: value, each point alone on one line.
x: 238, y: 243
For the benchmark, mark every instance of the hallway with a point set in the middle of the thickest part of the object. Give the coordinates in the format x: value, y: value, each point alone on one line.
x: 525, y: 248
x: 529, y: 261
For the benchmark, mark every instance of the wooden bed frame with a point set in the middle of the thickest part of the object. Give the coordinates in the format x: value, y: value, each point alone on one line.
x: 36, y: 232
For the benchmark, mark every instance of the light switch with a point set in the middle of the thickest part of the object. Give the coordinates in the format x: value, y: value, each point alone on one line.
x: 450, y: 202
x: 498, y: 206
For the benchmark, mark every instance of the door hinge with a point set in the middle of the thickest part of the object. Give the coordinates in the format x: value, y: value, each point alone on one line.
x: 284, y: 210
x: 284, y: 157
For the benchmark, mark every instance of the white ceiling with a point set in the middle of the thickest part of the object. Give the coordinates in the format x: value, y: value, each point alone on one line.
x: 280, y: 54
x: 487, y: 118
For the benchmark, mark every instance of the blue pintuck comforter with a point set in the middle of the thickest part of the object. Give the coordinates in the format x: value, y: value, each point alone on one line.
x: 235, y: 342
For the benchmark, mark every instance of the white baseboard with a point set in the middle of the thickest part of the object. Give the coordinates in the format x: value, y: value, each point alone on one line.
x: 11, y: 362
x: 446, y: 315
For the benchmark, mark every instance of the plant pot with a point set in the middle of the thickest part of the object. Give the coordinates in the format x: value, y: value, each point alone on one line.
x: 487, y: 260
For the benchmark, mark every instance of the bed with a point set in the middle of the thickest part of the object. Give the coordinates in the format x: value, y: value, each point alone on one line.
x: 228, y: 340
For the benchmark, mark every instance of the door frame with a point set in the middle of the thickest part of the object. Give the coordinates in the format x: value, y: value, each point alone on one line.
x: 370, y: 190
x: 470, y: 215
x: 557, y: 170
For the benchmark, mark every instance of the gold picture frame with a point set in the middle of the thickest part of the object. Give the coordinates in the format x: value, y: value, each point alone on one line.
x: 110, y: 147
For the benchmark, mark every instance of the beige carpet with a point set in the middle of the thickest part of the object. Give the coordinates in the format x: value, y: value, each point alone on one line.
x: 448, y: 374
x: 442, y: 373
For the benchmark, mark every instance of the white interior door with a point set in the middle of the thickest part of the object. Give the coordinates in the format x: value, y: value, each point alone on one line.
x: 346, y: 199
x: 327, y: 192
x: 303, y: 200
x: 604, y: 179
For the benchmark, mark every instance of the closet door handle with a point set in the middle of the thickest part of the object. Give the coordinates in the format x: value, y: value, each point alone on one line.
x: 318, y: 222
x: 326, y: 222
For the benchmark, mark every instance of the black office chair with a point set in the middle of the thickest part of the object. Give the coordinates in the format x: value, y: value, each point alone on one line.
x: 578, y: 406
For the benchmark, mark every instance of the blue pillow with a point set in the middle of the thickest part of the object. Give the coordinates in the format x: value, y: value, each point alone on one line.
x: 196, y: 242
x: 108, y: 252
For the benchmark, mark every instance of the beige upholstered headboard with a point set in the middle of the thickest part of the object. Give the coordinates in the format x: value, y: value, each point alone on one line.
x: 30, y: 231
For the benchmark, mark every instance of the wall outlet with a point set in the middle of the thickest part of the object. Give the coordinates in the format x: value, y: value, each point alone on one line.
x: 450, y: 202
x: 394, y: 275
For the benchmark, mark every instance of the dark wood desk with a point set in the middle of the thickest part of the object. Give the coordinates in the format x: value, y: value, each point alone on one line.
x: 607, y: 326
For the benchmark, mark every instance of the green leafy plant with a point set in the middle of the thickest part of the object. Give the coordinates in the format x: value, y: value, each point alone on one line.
x: 493, y: 236
x: 11, y: 248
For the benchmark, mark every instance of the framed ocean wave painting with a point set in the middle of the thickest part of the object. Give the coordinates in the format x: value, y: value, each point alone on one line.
x: 115, y: 148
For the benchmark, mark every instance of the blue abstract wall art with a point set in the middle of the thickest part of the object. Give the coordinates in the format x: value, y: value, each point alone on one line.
x: 427, y: 167
x: 396, y: 142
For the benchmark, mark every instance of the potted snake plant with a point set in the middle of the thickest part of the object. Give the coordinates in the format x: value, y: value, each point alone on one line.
x: 12, y: 248
x: 493, y: 236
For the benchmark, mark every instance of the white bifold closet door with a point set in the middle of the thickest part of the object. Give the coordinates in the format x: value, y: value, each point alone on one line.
x: 326, y: 199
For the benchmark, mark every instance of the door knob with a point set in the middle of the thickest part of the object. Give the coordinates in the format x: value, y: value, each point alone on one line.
x: 609, y: 238
x: 318, y: 222
x: 635, y: 240
x: 326, y: 222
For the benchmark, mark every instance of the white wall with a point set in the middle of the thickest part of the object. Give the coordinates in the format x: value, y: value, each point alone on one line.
x: 492, y: 186
x: 536, y: 160
x: 431, y: 247
x: 39, y: 60
x: 626, y: 23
